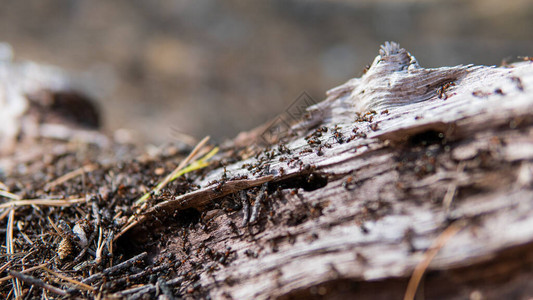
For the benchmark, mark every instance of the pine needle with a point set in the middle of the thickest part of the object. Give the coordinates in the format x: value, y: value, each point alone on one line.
x: 25, y: 271
x: 10, y: 250
x: 420, y: 269
x: 44, y: 202
x: 71, y: 175
x: 3, y: 186
x: 9, y: 195
x: 181, y: 169
x: 69, y: 279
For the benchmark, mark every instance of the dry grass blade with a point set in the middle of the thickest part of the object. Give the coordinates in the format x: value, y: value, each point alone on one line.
x: 4, y: 214
x: 21, y: 231
x: 420, y: 269
x: 69, y: 279
x: 59, y: 232
x: 10, y: 250
x: 184, y: 162
x: 180, y: 170
x: 37, y: 282
x: 126, y: 228
x: 71, y: 175
x: 9, y: 195
x: 3, y: 186
x: 6, y: 265
x: 100, y: 245
x: 45, y: 202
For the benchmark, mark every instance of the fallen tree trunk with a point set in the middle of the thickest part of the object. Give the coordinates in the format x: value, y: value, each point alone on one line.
x: 403, y: 172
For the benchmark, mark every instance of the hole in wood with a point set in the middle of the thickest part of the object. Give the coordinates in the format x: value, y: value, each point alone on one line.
x: 308, y: 182
x: 429, y: 137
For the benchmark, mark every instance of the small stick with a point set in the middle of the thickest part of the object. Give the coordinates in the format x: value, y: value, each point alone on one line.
x: 96, y: 214
x: 113, y: 269
x: 109, y: 243
x: 59, y: 232
x: 14, y: 254
x: 19, y: 227
x: 257, y: 204
x: 129, y: 278
x: 165, y: 289
x: 135, y: 291
x: 194, y: 199
x: 126, y: 228
x: 37, y: 282
x: 100, y: 246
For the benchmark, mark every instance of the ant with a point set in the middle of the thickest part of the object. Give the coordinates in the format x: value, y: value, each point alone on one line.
x: 441, y: 91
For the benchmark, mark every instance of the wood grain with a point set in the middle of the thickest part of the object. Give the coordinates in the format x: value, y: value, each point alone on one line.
x: 406, y: 139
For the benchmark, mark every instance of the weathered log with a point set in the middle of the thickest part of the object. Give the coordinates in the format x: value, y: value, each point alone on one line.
x: 401, y: 172
x: 408, y: 151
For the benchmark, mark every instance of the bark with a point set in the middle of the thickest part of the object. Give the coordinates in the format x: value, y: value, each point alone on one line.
x: 400, y: 169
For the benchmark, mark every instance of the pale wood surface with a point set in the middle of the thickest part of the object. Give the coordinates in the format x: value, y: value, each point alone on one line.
x: 403, y: 192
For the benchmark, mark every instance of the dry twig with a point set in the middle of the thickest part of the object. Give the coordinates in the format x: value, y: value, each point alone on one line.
x: 421, y: 268
x: 111, y: 270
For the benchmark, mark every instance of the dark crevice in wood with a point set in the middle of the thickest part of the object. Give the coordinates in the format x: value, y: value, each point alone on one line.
x: 310, y: 182
x: 426, y: 138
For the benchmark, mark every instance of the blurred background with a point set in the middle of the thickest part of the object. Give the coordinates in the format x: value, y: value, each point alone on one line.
x: 205, y: 67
